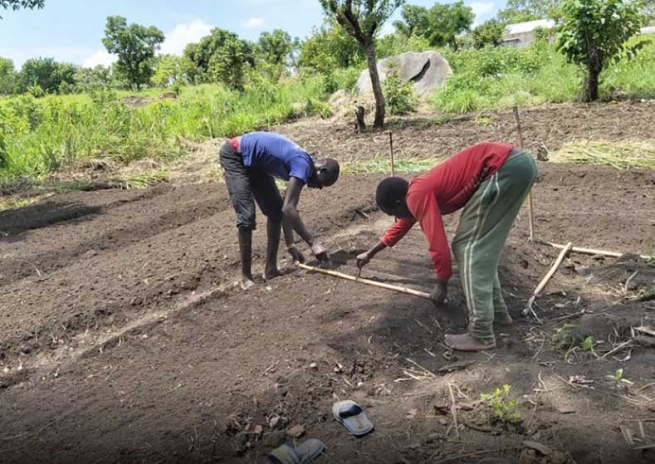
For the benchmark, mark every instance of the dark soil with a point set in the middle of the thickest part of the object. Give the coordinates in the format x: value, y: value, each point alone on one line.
x: 131, y: 343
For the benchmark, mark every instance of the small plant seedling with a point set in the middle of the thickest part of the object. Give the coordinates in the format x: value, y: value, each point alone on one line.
x: 588, y: 345
x: 619, y: 380
x: 503, y: 409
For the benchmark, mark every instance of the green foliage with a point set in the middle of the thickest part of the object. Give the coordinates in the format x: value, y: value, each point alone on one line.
x: 518, y: 11
x: 588, y: 345
x: 88, y: 79
x: 489, y: 33
x: 40, y: 136
x: 330, y: 48
x: 8, y: 77
x: 276, y: 47
x: 135, y: 46
x: 439, y: 25
x: 170, y: 69
x: 18, y: 4
x: 395, y: 44
x: 503, y: 409
x: 47, y: 74
x: 595, y: 33
x: 220, y: 57
x: 398, y: 94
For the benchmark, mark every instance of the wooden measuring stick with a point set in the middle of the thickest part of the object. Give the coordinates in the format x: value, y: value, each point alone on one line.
x: 530, y: 202
x: 546, y: 279
x: 393, y: 165
x: 394, y: 288
x: 591, y: 251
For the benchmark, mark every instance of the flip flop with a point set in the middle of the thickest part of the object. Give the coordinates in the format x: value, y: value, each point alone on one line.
x: 304, y: 454
x: 352, y: 417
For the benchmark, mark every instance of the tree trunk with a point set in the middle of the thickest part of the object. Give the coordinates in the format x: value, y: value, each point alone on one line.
x: 380, y: 105
x: 593, y: 76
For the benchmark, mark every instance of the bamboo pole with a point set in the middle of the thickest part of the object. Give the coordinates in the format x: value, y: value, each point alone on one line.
x: 546, y: 279
x: 393, y: 165
x: 591, y: 251
x: 372, y: 283
x: 530, y: 201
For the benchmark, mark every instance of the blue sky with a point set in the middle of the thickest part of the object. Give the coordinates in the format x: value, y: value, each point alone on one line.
x: 72, y: 30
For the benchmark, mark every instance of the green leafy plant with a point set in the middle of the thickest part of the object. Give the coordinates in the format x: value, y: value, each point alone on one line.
x: 588, y: 345
x: 399, y: 94
x: 619, y: 380
x: 503, y: 409
x: 595, y: 33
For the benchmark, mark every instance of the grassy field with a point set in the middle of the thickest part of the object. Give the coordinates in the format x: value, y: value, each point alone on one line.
x: 41, y: 136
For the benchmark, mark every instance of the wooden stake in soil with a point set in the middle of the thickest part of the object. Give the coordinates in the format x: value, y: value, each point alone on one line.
x: 546, y: 279
x: 393, y: 166
x: 591, y: 251
x: 530, y: 203
x: 394, y: 288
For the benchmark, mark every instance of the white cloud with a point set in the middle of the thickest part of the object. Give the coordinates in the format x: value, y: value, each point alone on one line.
x: 482, y: 10
x: 184, y: 34
x: 254, y: 23
x: 99, y: 57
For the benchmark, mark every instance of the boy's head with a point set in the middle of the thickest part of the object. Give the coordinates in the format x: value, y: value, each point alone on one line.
x: 326, y: 174
x: 390, y: 197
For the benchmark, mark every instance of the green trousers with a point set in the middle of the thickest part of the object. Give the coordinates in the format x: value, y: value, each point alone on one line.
x: 483, y: 229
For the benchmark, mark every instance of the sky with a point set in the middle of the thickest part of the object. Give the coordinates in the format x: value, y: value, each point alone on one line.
x: 72, y: 30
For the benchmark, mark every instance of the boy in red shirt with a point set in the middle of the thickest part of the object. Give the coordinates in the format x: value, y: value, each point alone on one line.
x: 490, y: 181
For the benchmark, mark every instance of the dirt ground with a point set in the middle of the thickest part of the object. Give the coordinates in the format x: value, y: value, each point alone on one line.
x: 124, y: 340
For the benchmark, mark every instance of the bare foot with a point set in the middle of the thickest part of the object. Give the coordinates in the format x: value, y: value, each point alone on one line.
x: 465, y: 342
x: 247, y: 283
x: 271, y: 274
x: 503, y: 319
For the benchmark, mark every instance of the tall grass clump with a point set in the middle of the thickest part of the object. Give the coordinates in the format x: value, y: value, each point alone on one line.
x: 41, y: 136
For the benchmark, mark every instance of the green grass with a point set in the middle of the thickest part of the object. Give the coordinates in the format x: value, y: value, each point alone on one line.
x: 42, y: 136
x: 383, y: 166
x: 503, y: 77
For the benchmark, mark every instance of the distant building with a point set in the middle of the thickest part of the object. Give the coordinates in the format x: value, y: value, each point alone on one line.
x: 523, y: 34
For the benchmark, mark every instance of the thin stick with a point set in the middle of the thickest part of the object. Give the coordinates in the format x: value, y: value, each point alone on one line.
x: 393, y: 165
x: 546, y: 279
x: 453, y: 409
x: 530, y: 201
x: 421, y: 367
x: 394, y: 288
x: 622, y: 345
x: 591, y: 251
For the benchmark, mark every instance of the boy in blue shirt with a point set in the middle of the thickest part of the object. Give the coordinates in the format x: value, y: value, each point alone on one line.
x: 251, y: 163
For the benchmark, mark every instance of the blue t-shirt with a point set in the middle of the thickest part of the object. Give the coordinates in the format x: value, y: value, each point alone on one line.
x: 276, y: 155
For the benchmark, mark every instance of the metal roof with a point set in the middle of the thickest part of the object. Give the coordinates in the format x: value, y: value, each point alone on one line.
x: 529, y: 26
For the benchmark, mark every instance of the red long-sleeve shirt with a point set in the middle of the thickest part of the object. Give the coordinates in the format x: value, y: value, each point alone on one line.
x: 445, y: 189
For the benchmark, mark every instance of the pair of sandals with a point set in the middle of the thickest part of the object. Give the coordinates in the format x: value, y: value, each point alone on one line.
x: 348, y: 413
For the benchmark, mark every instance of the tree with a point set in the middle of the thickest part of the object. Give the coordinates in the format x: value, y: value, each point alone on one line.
x: 8, y: 77
x: 594, y: 33
x: 88, y: 78
x: 220, y: 57
x: 18, y: 4
x: 170, y: 69
x: 47, y: 74
x: 518, y: 11
x: 135, y: 46
x: 488, y: 33
x: 440, y: 25
x: 362, y: 19
x: 329, y: 48
x: 275, y: 47
x: 414, y: 21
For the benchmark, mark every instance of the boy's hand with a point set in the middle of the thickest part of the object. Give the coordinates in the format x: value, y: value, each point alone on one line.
x: 296, y: 255
x: 439, y: 293
x: 363, y: 260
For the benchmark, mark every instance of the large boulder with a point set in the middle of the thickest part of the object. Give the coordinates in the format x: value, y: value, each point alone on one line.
x: 426, y: 70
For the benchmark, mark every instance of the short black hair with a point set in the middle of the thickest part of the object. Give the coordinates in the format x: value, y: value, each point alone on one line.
x: 330, y: 168
x: 390, y: 191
